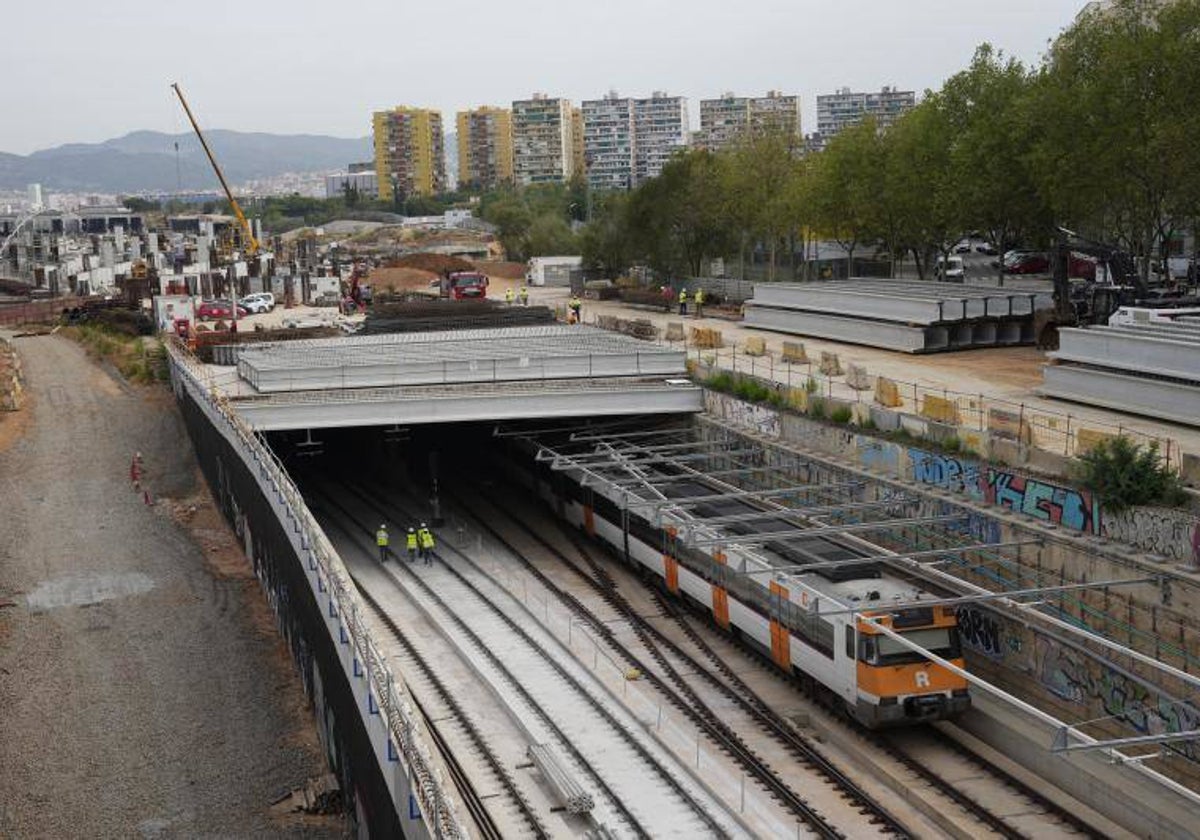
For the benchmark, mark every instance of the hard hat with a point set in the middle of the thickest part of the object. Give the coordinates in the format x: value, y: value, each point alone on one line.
x: 410, y: 530
x: 383, y: 525
x: 422, y: 524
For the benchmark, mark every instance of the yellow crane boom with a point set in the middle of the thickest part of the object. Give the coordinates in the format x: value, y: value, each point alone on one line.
x: 251, y: 243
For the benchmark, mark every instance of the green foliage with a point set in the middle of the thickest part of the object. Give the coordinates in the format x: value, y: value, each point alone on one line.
x: 811, y: 385
x: 951, y: 444
x: 1123, y: 474
x: 816, y: 409
x: 137, y: 359
x: 841, y: 415
x: 533, y: 221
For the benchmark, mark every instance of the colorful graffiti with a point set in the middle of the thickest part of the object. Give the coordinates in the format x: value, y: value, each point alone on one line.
x: 1067, y: 506
x: 1076, y: 679
x: 947, y: 472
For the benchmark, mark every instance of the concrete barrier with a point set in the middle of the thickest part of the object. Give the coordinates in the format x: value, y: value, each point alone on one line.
x: 857, y: 378
x: 887, y: 392
x: 1088, y: 439
x: 674, y: 331
x: 940, y: 409
x: 707, y: 339
x: 755, y: 346
x: 1009, y: 424
x: 830, y: 364
x: 793, y: 353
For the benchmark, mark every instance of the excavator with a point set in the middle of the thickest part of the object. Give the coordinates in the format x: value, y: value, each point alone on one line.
x: 1090, y: 300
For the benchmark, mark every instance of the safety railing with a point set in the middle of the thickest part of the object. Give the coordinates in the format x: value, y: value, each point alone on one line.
x: 428, y: 785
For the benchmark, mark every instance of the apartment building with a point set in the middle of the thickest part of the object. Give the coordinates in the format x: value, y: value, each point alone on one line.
x: 485, y: 147
x: 726, y: 119
x: 837, y: 111
x: 578, y: 163
x: 608, y: 145
x: 660, y: 129
x: 409, y: 152
x: 543, y: 140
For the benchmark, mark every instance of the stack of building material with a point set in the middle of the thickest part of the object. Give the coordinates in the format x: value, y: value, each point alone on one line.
x: 570, y: 793
x: 1144, y: 368
x: 510, y: 354
x: 419, y: 316
x: 11, y: 392
x: 913, y: 317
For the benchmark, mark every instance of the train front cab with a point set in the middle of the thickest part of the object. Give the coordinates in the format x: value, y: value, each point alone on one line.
x: 896, y: 685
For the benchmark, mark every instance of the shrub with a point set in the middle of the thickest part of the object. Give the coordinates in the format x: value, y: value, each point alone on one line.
x: 841, y: 414
x: 811, y: 385
x: 816, y: 409
x: 952, y: 444
x: 1123, y: 474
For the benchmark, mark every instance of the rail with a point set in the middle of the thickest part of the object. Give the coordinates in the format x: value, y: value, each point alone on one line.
x: 428, y: 786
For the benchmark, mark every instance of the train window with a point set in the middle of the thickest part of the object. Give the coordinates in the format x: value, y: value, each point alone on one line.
x: 884, y: 650
x: 849, y: 642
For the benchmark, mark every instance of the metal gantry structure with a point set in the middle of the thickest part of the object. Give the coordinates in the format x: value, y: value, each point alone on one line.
x: 637, y: 466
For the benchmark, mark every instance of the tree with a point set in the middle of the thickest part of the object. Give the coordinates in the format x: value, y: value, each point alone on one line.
x: 989, y: 110
x: 1115, y: 107
x: 842, y: 189
x: 759, y: 178
x: 605, y: 241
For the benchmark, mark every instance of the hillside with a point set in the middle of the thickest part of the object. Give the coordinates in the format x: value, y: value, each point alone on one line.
x: 145, y: 160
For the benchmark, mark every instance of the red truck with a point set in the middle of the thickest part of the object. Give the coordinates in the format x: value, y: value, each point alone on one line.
x: 464, y: 284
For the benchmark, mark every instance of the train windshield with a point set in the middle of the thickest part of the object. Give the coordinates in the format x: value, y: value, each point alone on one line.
x: 884, y: 650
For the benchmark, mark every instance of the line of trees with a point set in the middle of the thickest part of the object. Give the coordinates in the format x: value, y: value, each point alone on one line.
x: 1102, y: 137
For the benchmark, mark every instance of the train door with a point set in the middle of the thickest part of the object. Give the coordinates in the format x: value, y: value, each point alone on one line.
x: 846, y: 661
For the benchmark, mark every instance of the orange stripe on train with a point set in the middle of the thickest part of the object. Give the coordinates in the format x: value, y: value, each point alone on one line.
x: 916, y: 678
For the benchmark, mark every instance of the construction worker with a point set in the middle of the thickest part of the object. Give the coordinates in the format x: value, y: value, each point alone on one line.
x: 410, y: 542
x: 524, y: 295
x: 683, y: 299
x: 576, y: 306
x: 699, y: 301
x: 425, y: 536
x: 508, y: 295
x: 381, y: 540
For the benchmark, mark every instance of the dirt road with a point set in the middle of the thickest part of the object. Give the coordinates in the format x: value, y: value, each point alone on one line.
x: 143, y: 689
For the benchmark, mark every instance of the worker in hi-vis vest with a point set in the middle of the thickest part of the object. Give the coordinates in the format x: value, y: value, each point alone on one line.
x: 683, y: 297
x: 699, y: 301
x: 425, y: 536
x: 410, y: 542
x: 381, y: 540
x: 509, y: 295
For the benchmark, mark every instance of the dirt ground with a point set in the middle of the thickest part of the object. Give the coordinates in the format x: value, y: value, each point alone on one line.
x: 144, y: 689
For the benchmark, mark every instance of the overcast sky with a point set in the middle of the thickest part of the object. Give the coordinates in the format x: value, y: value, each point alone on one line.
x: 84, y: 72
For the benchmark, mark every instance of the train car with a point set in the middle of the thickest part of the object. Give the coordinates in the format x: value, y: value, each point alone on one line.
x: 808, y: 624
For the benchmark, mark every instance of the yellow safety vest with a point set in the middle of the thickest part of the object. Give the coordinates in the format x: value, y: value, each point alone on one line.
x: 699, y: 296
x: 683, y: 296
x: 381, y: 537
x: 411, y: 540
x: 426, y: 538
x: 508, y: 295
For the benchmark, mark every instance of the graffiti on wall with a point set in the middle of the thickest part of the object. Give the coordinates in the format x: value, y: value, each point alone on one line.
x: 981, y: 631
x: 947, y: 472
x: 1069, y: 507
x: 755, y: 418
x: 1078, y: 679
x: 1173, y: 534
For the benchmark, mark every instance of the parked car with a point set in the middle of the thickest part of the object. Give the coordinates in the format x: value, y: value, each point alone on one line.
x: 258, y: 302
x: 986, y: 248
x: 950, y: 271
x: 963, y: 247
x: 1027, y: 263
x: 218, y: 309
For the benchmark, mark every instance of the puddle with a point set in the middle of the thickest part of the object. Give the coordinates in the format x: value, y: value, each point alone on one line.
x: 81, y: 590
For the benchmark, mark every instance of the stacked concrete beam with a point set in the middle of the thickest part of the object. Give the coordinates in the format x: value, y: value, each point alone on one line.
x: 1151, y: 369
x: 912, y: 317
x: 459, y: 356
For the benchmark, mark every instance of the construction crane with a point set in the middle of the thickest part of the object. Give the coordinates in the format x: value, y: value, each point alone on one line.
x: 251, y: 242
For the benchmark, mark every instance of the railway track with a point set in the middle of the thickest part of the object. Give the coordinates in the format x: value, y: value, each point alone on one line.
x: 915, y: 761
x: 688, y: 700
x: 489, y: 623
x: 486, y: 823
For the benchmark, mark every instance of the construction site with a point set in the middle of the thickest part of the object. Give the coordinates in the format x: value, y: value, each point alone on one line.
x: 545, y: 555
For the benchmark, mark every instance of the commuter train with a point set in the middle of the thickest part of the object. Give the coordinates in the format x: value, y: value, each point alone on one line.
x: 805, y: 627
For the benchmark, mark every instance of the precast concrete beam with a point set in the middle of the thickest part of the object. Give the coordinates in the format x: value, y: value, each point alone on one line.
x: 890, y: 336
x: 424, y: 405
x: 1132, y: 393
x: 1130, y: 350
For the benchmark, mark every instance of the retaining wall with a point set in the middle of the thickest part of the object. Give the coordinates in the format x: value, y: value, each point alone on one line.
x: 369, y: 733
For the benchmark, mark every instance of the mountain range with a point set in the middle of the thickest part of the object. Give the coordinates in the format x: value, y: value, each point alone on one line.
x: 146, y: 161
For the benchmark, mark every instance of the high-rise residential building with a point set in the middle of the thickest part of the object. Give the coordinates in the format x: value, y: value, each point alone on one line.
x: 837, y: 111
x: 409, y: 152
x: 660, y: 129
x: 776, y: 112
x: 608, y: 147
x: 485, y: 147
x: 723, y: 120
x: 543, y: 140
x: 578, y: 163
x: 728, y: 118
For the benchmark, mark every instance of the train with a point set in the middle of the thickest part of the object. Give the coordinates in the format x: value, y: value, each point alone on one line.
x: 807, y: 627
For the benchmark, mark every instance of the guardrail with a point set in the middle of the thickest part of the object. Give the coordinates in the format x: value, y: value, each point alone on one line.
x: 437, y: 809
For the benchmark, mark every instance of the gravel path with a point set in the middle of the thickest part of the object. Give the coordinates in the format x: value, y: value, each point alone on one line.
x: 143, y: 690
